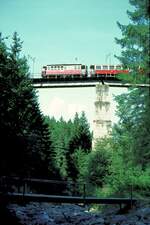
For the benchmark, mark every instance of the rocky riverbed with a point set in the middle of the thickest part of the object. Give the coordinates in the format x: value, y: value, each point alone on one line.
x: 67, y: 214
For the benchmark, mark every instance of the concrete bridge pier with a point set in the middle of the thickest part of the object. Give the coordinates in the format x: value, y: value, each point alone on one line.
x: 102, y: 121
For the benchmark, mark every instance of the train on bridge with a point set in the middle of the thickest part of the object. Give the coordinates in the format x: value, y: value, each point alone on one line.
x: 54, y: 71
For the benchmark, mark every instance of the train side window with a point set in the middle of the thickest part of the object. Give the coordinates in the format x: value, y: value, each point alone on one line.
x: 83, y: 67
x: 98, y: 67
x: 105, y: 67
x: 111, y: 67
x: 76, y: 67
x: 118, y: 67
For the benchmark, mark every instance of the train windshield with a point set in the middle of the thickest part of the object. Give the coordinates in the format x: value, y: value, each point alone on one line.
x: 83, y: 67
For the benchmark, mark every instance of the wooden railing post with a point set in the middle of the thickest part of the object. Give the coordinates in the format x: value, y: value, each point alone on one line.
x: 131, y: 196
x: 84, y: 194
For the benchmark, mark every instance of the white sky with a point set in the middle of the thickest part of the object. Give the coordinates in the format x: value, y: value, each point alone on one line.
x: 66, y: 101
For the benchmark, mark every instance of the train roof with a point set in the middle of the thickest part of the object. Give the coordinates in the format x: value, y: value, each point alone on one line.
x: 64, y: 64
x: 106, y: 64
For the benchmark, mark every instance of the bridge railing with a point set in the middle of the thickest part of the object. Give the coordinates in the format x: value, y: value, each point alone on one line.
x: 41, y: 186
x: 30, y: 189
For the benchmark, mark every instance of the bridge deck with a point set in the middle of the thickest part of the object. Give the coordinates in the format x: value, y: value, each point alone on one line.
x: 29, y: 197
x: 86, y: 82
x: 68, y: 199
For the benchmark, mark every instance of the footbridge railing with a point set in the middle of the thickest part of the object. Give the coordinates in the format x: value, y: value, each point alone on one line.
x: 18, y: 189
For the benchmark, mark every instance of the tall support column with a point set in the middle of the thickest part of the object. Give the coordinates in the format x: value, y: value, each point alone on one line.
x: 102, y: 121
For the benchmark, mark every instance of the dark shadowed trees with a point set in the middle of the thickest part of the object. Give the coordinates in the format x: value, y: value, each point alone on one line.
x: 25, y: 138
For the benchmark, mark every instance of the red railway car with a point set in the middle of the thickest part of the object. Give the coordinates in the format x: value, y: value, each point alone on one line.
x: 64, y: 70
x: 106, y: 70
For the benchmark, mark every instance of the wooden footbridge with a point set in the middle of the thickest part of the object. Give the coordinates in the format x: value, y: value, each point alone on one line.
x: 22, y: 193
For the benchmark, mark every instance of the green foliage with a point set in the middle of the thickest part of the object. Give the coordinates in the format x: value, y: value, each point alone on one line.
x: 82, y: 137
x: 70, y: 141
x: 135, y: 43
x: 130, y: 137
x: 60, y: 135
x: 98, y: 163
x: 80, y: 159
x: 25, y: 138
x: 129, y: 146
x: 133, y: 110
x: 141, y: 182
x: 96, y: 167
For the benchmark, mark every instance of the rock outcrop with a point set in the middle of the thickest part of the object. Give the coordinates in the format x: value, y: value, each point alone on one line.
x: 67, y: 214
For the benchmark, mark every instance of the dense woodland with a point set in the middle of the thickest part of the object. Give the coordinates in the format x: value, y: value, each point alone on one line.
x: 34, y: 145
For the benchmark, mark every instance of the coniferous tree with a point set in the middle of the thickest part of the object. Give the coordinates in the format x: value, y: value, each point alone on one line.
x: 130, y: 137
x: 80, y: 141
x: 25, y: 135
x: 60, y: 139
x: 82, y: 137
x: 130, y: 140
x: 134, y: 107
x: 67, y: 138
x: 135, y: 42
